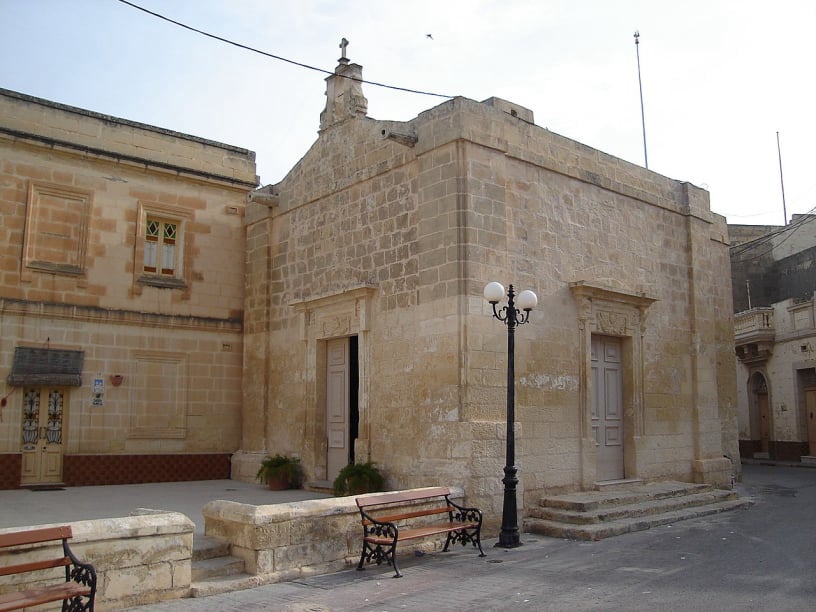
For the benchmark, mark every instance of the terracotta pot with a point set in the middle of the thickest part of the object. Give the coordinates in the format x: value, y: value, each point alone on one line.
x: 278, y: 484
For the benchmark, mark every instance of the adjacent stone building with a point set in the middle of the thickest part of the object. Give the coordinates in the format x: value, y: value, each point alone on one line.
x: 774, y: 272
x: 366, y: 336
x: 121, y: 298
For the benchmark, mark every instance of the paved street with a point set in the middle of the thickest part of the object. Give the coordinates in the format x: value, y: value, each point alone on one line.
x: 759, y: 558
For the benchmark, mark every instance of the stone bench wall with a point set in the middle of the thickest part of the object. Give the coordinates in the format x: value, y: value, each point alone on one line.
x: 138, y: 559
x: 286, y: 541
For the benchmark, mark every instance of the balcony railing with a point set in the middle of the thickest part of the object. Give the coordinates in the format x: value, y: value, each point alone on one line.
x: 754, y: 335
x: 757, y: 323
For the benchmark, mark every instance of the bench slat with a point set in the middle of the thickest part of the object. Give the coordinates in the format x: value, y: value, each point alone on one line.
x: 32, y: 566
x: 420, y: 532
x: 34, y: 536
x: 33, y: 597
x: 406, y: 515
x: 401, y: 496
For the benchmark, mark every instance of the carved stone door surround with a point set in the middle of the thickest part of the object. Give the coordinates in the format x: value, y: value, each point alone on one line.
x: 324, y: 318
x: 617, y: 312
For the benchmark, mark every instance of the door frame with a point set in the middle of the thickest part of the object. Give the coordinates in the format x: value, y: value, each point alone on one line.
x: 758, y: 386
x: 321, y: 319
x: 810, y: 419
x: 617, y: 312
x: 805, y: 387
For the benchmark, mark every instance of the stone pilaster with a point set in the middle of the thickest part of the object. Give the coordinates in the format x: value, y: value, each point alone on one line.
x: 708, y: 466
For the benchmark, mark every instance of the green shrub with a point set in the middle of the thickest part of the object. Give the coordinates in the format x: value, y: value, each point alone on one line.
x: 358, y: 478
x: 281, y: 468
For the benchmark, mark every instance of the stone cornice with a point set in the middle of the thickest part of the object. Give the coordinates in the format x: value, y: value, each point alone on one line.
x: 95, y: 314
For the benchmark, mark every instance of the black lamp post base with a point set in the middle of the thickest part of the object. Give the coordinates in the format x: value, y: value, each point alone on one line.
x: 511, y: 540
x: 510, y: 536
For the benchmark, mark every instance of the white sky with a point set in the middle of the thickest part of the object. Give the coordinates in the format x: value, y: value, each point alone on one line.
x: 720, y: 78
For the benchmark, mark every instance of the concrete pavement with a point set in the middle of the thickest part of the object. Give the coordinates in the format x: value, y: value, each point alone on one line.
x: 23, y: 507
x: 759, y: 558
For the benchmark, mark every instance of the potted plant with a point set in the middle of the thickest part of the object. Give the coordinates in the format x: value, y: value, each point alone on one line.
x: 357, y: 478
x: 281, y: 472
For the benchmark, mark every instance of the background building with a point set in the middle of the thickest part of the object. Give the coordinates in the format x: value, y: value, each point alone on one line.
x: 774, y: 272
x: 121, y: 298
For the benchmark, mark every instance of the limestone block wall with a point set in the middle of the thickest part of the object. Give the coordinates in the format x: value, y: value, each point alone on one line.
x: 138, y: 559
x: 134, y: 142
x: 206, y: 416
x: 785, y: 417
x: 726, y: 371
x: 108, y: 201
x: 394, y: 241
x: 78, y: 191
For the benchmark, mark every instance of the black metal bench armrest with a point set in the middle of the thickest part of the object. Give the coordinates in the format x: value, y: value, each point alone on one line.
x: 380, y: 529
x: 464, y: 514
x: 79, y: 572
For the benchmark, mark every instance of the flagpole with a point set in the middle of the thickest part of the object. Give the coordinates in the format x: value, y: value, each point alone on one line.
x: 781, y: 181
x: 640, y: 86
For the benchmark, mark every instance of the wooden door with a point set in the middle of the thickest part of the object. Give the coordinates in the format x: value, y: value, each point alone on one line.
x: 42, y: 433
x: 607, y: 407
x: 764, y: 421
x: 810, y: 414
x: 337, y: 406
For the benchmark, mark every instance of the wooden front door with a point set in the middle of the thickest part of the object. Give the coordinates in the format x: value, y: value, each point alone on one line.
x: 337, y: 406
x: 42, y: 433
x: 607, y: 407
x: 764, y: 421
x: 810, y: 414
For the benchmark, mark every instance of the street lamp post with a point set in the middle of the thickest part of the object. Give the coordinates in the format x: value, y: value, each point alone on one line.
x: 511, y: 316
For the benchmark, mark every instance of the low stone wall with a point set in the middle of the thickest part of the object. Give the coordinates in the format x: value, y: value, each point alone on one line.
x: 146, y: 557
x: 138, y: 559
x: 290, y: 540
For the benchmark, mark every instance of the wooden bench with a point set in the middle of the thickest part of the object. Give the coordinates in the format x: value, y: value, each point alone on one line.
x: 78, y: 590
x: 381, y: 532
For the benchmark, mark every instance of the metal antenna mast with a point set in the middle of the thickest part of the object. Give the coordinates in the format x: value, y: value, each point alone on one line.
x: 781, y: 180
x: 640, y: 86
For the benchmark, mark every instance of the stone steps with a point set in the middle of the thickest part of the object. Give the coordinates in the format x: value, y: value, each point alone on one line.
x: 223, y: 584
x: 594, y: 515
x: 208, y: 547
x: 218, y: 567
x: 215, y: 571
x: 319, y: 486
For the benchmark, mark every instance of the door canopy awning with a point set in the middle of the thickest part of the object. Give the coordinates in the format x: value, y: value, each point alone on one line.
x: 45, y: 366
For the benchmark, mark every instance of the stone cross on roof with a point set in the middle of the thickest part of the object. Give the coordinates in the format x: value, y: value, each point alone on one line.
x: 343, y: 44
x: 344, y: 92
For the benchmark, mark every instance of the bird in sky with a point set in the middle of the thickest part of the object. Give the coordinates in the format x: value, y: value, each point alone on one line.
x: 429, y: 36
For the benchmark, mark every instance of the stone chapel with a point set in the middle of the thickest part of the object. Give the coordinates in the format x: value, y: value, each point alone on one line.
x: 366, y: 336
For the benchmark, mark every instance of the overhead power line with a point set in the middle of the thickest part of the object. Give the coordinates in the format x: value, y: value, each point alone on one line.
x: 738, y: 250
x: 278, y: 57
